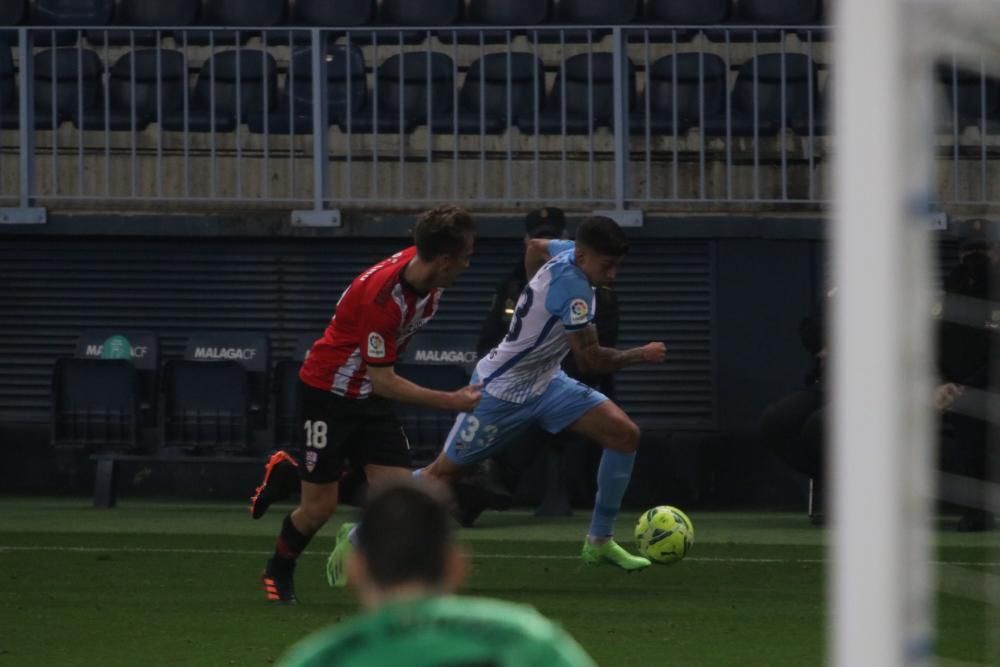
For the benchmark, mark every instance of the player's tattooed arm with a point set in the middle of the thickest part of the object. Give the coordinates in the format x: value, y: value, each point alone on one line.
x: 594, y: 359
x: 536, y: 253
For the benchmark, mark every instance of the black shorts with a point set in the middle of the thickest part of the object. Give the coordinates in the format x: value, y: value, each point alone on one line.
x: 337, y: 430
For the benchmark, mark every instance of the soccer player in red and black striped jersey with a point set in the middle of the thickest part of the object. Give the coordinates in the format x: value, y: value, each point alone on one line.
x: 348, y: 381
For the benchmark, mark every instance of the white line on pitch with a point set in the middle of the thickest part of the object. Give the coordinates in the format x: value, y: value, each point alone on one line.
x: 247, y: 552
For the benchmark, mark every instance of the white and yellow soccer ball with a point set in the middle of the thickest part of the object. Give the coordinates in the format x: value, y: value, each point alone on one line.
x: 664, y: 534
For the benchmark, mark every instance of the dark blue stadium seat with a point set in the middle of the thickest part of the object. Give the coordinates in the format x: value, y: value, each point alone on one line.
x: 700, y: 92
x: 238, y: 83
x: 589, y: 12
x: 68, y: 12
x: 324, y: 13
x: 499, y: 12
x: 782, y: 96
x: 483, y: 99
x: 589, y: 97
x: 236, y: 13
x: 8, y: 90
x: 64, y: 78
x: 141, y: 79
x: 12, y: 12
x: 680, y: 13
x: 409, y: 13
x: 144, y: 356
x: 974, y: 95
x: 207, y: 406
x: 347, y: 90
x: 95, y: 404
x: 404, y: 92
x: 146, y: 13
x: 768, y: 12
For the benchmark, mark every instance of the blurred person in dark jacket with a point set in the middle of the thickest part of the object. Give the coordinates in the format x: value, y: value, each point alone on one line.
x: 490, y: 485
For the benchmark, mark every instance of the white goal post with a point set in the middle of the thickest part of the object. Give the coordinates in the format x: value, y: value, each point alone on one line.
x: 881, y: 599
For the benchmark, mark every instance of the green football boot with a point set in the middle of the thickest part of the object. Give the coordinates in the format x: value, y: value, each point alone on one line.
x: 609, y: 553
x: 336, y: 564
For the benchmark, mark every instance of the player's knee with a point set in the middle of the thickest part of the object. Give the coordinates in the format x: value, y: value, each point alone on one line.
x: 631, y: 435
x: 318, y: 508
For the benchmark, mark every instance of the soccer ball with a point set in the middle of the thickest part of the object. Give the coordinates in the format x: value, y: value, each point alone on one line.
x: 664, y: 534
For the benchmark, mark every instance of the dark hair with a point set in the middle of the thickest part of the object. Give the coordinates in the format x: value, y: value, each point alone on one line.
x: 443, y: 230
x: 602, y: 235
x: 404, y: 535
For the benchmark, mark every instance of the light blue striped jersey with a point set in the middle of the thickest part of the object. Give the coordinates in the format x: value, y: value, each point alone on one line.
x: 558, y: 299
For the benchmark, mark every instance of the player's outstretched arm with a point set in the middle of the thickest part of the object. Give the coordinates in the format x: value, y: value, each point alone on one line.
x: 387, y: 384
x: 597, y: 360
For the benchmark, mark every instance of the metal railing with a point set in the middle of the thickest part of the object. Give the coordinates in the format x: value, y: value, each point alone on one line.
x: 503, y: 117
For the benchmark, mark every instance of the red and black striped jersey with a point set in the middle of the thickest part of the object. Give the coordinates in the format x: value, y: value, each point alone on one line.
x: 375, y: 317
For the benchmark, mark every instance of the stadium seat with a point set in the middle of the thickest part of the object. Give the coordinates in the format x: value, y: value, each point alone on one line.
x: 427, y: 429
x: 95, y: 404
x: 345, y: 78
x: 65, y: 77
x: 238, y: 83
x: 8, y: 90
x: 588, y: 12
x: 404, y: 93
x: 141, y: 79
x: 769, y: 12
x: 589, y: 101
x: 12, y: 12
x: 207, y: 406
x: 237, y: 13
x: 498, y: 12
x: 782, y: 96
x: 975, y: 97
x: 409, y: 13
x: 68, y: 12
x: 323, y: 13
x: 144, y: 356
x: 483, y: 100
x: 700, y: 92
x: 680, y: 13
x: 146, y: 13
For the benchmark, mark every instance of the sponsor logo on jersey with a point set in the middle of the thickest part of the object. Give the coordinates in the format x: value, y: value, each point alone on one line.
x: 445, y: 356
x: 225, y: 353
x: 311, y: 458
x: 578, y: 311
x: 376, y: 346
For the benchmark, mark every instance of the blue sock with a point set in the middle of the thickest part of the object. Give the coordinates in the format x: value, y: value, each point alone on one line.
x: 613, y: 477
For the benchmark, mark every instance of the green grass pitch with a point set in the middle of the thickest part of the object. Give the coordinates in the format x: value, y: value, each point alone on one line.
x: 163, y: 583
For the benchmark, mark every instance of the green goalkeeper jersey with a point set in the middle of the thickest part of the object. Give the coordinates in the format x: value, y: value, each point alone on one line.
x: 447, y: 631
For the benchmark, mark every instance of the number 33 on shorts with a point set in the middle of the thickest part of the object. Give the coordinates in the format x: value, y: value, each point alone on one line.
x: 473, y: 433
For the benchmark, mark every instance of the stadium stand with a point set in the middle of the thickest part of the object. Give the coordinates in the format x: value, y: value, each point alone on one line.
x: 323, y: 13
x: 589, y: 12
x: 146, y: 13
x: 8, y: 90
x: 412, y: 88
x: 68, y: 13
x: 144, y: 357
x: 974, y: 96
x: 483, y: 101
x: 700, y: 92
x: 771, y: 91
x: 681, y: 13
x: 143, y: 87
x: 236, y: 13
x: 67, y: 85
x: 95, y: 404
x: 502, y: 13
x: 346, y: 86
x: 207, y: 406
x: 589, y: 97
x: 231, y: 86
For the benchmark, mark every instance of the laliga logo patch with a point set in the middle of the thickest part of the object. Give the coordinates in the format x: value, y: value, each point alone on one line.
x: 376, y: 346
x: 578, y: 311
